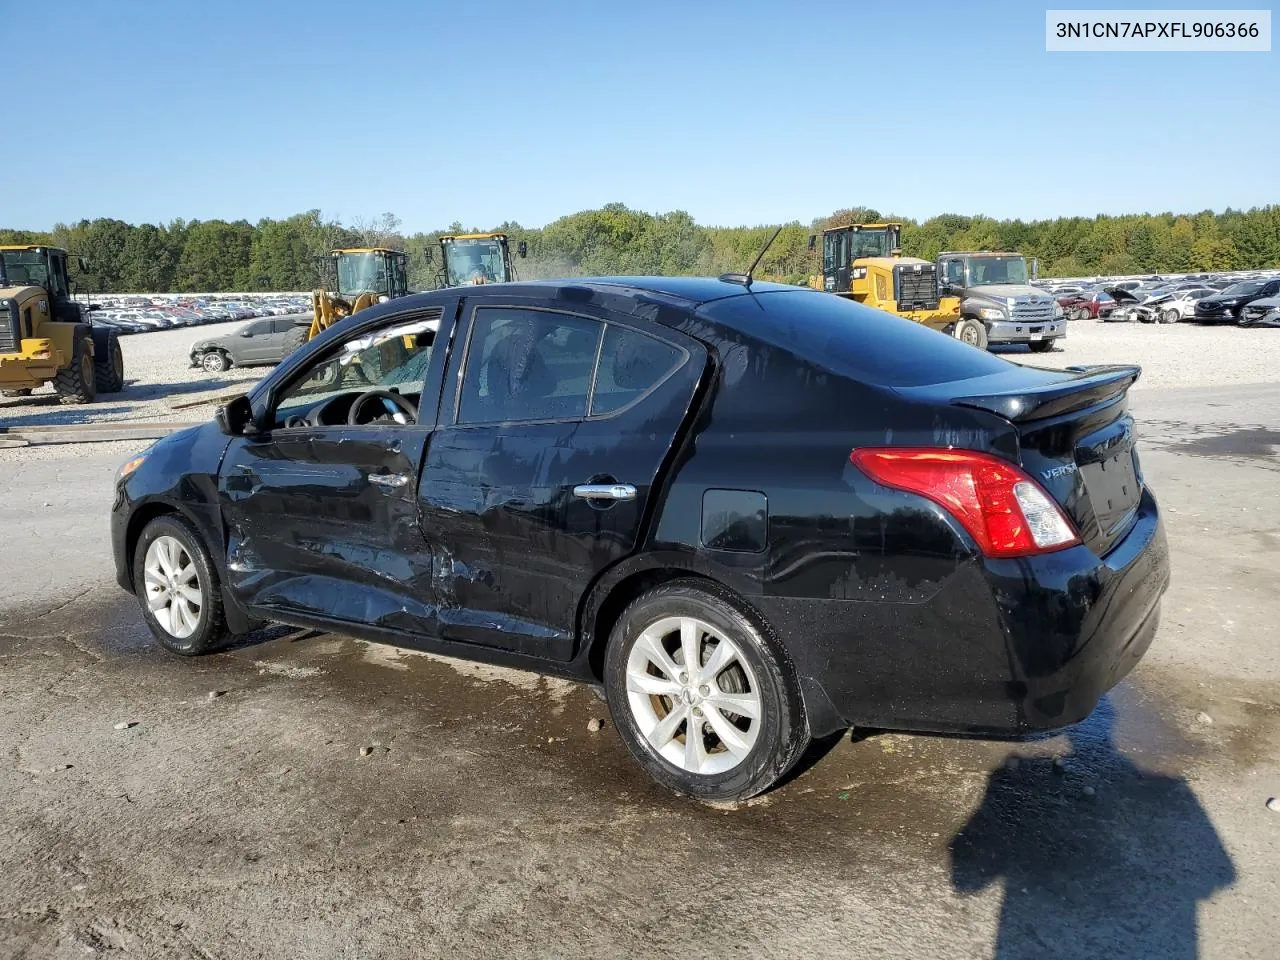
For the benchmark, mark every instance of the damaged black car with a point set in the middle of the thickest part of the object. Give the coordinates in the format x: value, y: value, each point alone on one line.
x: 752, y: 514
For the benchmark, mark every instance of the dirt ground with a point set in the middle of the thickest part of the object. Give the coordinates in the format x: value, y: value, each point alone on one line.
x: 225, y: 807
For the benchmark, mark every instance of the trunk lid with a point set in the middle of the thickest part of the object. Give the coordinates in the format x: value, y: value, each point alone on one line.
x: 1075, y: 438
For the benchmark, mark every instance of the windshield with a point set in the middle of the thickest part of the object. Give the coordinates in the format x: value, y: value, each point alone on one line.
x: 472, y: 261
x: 1243, y: 289
x: 984, y: 271
x: 24, y: 268
x: 361, y: 272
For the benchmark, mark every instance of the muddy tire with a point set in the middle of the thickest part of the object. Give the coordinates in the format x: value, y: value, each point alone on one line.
x: 76, y: 384
x: 177, y: 586
x: 215, y: 361
x: 972, y: 332
x: 294, y: 339
x: 108, y: 369
x: 741, y: 702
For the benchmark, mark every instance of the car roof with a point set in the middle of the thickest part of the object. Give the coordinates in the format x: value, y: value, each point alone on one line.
x: 693, y: 290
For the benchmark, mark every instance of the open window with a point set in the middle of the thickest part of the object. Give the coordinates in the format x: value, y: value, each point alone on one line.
x: 376, y: 378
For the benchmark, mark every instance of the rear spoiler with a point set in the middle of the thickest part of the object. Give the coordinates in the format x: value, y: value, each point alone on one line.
x: 1091, y: 386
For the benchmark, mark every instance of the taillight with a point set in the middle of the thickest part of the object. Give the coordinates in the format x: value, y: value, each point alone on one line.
x: 1004, y: 510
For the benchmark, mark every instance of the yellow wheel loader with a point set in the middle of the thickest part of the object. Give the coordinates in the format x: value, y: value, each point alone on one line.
x: 360, y: 277
x: 864, y: 262
x: 46, y: 336
x: 470, y: 258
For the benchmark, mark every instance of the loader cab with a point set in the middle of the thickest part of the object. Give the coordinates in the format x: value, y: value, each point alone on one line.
x: 370, y: 270
x: 842, y: 246
x: 477, y: 258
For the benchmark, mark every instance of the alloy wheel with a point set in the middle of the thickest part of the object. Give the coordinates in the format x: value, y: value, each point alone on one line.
x: 693, y: 696
x: 173, y: 587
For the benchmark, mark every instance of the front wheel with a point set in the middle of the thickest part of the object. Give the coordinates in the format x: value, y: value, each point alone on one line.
x: 1171, y: 316
x: 704, y: 702
x: 215, y: 361
x: 972, y: 332
x: 177, y: 586
x: 76, y: 382
x: 1041, y: 346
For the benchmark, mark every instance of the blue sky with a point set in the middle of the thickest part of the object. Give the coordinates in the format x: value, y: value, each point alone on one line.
x: 739, y: 112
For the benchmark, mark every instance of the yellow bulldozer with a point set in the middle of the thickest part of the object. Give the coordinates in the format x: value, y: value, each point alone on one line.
x: 46, y: 336
x: 469, y: 258
x: 864, y: 262
x: 359, y: 278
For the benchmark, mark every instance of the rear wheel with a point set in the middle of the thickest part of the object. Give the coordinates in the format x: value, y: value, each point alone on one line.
x: 76, y: 383
x: 1041, y: 346
x: 972, y: 332
x: 702, y: 699
x: 108, y: 369
x: 177, y: 587
x: 215, y: 361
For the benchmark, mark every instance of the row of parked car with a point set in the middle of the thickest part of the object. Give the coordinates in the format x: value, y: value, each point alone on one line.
x: 140, y: 314
x: 1246, y: 300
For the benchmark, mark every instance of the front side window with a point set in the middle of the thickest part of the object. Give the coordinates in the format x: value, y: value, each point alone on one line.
x: 528, y: 365
x: 393, y: 358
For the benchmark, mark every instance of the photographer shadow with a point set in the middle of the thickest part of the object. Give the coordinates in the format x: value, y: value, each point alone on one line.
x: 1117, y: 874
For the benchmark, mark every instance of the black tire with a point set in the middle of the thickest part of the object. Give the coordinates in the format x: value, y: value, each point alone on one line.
x: 215, y: 361
x: 210, y: 633
x: 972, y: 332
x: 1041, y: 346
x: 295, y: 338
x: 76, y: 383
x: 783, y: 734
x: 108, y: 365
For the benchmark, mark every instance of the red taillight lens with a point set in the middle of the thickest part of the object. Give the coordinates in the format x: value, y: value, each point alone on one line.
x: 1004, y: 510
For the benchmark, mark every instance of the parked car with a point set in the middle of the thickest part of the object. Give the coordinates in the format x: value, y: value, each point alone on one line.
x: 1261, y: 313
x: 1087, y: 305
x: 1225, y: 307
x: 1179, y: 304
x: 1128, y: 307
x: 753, y: 515
x: 259, y: 343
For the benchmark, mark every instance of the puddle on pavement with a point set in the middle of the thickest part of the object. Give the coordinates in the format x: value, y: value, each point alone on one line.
x: 1247, y: 442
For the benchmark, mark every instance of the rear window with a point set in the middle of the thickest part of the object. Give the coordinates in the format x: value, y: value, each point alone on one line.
x: 856, y: 341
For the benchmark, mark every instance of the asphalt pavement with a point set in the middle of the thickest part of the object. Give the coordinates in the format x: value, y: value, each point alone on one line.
x: 309, y: 795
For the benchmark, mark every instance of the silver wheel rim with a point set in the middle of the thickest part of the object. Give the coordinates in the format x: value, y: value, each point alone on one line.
x: 969, y: 334
x: 172, y: 586
x: 704, y: 720
x: 213, y: 363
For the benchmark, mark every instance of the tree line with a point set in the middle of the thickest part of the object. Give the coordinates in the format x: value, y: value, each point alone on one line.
x: 216, y: 255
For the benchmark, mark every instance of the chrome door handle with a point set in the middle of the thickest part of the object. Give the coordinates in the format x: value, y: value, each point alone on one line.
x: 389, y: 479
x: 605, y: 491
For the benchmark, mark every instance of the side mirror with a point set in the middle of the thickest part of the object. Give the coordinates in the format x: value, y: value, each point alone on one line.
x: 813, y: 242
x: 235, y: 419
x: 246, y: 333
x: 94, y: 306
x: 83, y: 264
x: 522, y: 248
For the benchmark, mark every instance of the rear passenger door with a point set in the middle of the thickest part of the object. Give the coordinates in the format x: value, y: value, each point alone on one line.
x: 542, y: 471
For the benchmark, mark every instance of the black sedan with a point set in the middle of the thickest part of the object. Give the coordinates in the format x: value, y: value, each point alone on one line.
x: 1225, y: 307
x: 753, y: 514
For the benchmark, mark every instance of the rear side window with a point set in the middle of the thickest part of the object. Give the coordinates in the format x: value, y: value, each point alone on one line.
x: 847, y: 338
x: 528, y: 365
x: 631, y: 364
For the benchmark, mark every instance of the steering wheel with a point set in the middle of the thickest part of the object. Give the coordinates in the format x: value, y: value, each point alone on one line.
x: 358, y: 405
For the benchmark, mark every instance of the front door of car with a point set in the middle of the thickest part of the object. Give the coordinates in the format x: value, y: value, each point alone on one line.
x: 251, y: 345
x: 320, y: 512
x: 554, y: 430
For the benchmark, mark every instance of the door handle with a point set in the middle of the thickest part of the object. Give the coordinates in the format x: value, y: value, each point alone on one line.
x: 389, y: 479
x: 605, y: 491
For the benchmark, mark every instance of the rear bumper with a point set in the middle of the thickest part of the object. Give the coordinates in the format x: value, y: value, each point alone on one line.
x: 1024, y: 331
x: 1002, y: 648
